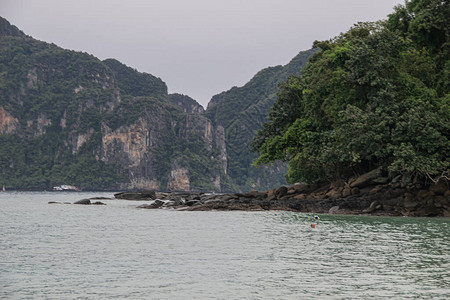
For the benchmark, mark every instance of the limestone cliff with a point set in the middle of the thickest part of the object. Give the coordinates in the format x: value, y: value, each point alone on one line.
x: 142, y: 151
x: 178, y: 178
x: 67, y: 117
x: 8, y: 124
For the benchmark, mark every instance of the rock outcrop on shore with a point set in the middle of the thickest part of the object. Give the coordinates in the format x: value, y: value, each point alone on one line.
x: 368, y: 194
x: 142, y: 195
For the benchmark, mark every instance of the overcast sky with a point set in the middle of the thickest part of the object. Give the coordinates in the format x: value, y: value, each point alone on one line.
x: 198, y: 47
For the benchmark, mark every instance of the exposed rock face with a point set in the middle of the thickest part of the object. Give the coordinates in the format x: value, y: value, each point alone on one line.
x: 143, y: 184
x: 134, y: 148
x: 221, y: 145
x: 195, y: 126
x: 186, y: 103
x: 129, y: 147
x: 80, y: 139
x: 32, y: 78
x: 63, y: 121
x: 8, y: 124
x: 179, y: 179
x: 41, y: 123
x: 127, y: 144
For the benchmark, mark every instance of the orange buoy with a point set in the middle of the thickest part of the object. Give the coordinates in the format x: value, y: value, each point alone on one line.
x: 313, y: 225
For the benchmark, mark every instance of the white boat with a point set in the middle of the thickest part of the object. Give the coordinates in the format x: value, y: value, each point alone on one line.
x: 66, y: 187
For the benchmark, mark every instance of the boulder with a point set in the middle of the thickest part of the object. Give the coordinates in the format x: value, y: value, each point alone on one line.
x: 271, y: 194
x: 346, y: 192
x: 83, y: 202
x: 192, y: 202
x: 274, y: 194
x: 98, y: 203
x: 337, y: 184
x: 381, y: 180
x: 300, y: 187
x: 142, y: 195
x: 178, y: 201
x: 396, y: 179
x: 228, y: 197
x: 300, y: 197
x: 280, y: 192
x: 334, y: 210
x: 291, y: 191
x: 255, y: 194
x: 366, y: 178
x: 170, y: 203
x: 375, y: 205
x: 375, y: 190
x: 335, y: 193
x: 154, y: 205
x: 157, y: 204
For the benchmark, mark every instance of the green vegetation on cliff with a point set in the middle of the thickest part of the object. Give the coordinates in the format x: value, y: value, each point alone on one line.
x: 375, y: 96
x: 51, y: 95
x: 133, y: 83
x: 68, y: 118
x: 241, y: 112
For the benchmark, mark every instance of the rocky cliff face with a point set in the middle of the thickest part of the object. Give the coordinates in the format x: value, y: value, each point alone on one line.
x: 129, y: 146
x: 68, y: 118
x: 179, y: 179
x: 8, y: 124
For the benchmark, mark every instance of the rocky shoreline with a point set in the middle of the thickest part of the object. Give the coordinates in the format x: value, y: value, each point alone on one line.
x: 368, y: 194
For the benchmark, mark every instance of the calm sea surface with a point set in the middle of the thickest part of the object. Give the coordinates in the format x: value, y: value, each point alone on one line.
x: 119, y: 252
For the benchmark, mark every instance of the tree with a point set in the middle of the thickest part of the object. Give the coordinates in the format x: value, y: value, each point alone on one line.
x: 375, y: 96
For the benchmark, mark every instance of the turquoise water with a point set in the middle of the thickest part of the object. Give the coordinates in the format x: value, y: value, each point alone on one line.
x: 120, y: 252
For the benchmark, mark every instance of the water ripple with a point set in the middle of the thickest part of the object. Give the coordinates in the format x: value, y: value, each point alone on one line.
x: 119, y: 252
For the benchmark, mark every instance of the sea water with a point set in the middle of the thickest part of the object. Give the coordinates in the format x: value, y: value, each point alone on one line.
x: 116, y: 251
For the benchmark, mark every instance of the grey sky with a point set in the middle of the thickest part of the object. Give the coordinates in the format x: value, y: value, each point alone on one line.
x: 198, y: 47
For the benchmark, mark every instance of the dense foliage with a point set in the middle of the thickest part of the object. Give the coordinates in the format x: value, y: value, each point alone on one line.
x: 375, y: 96
x: 54, y: 94
x: 58, y: 102
x: 133, y: 83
